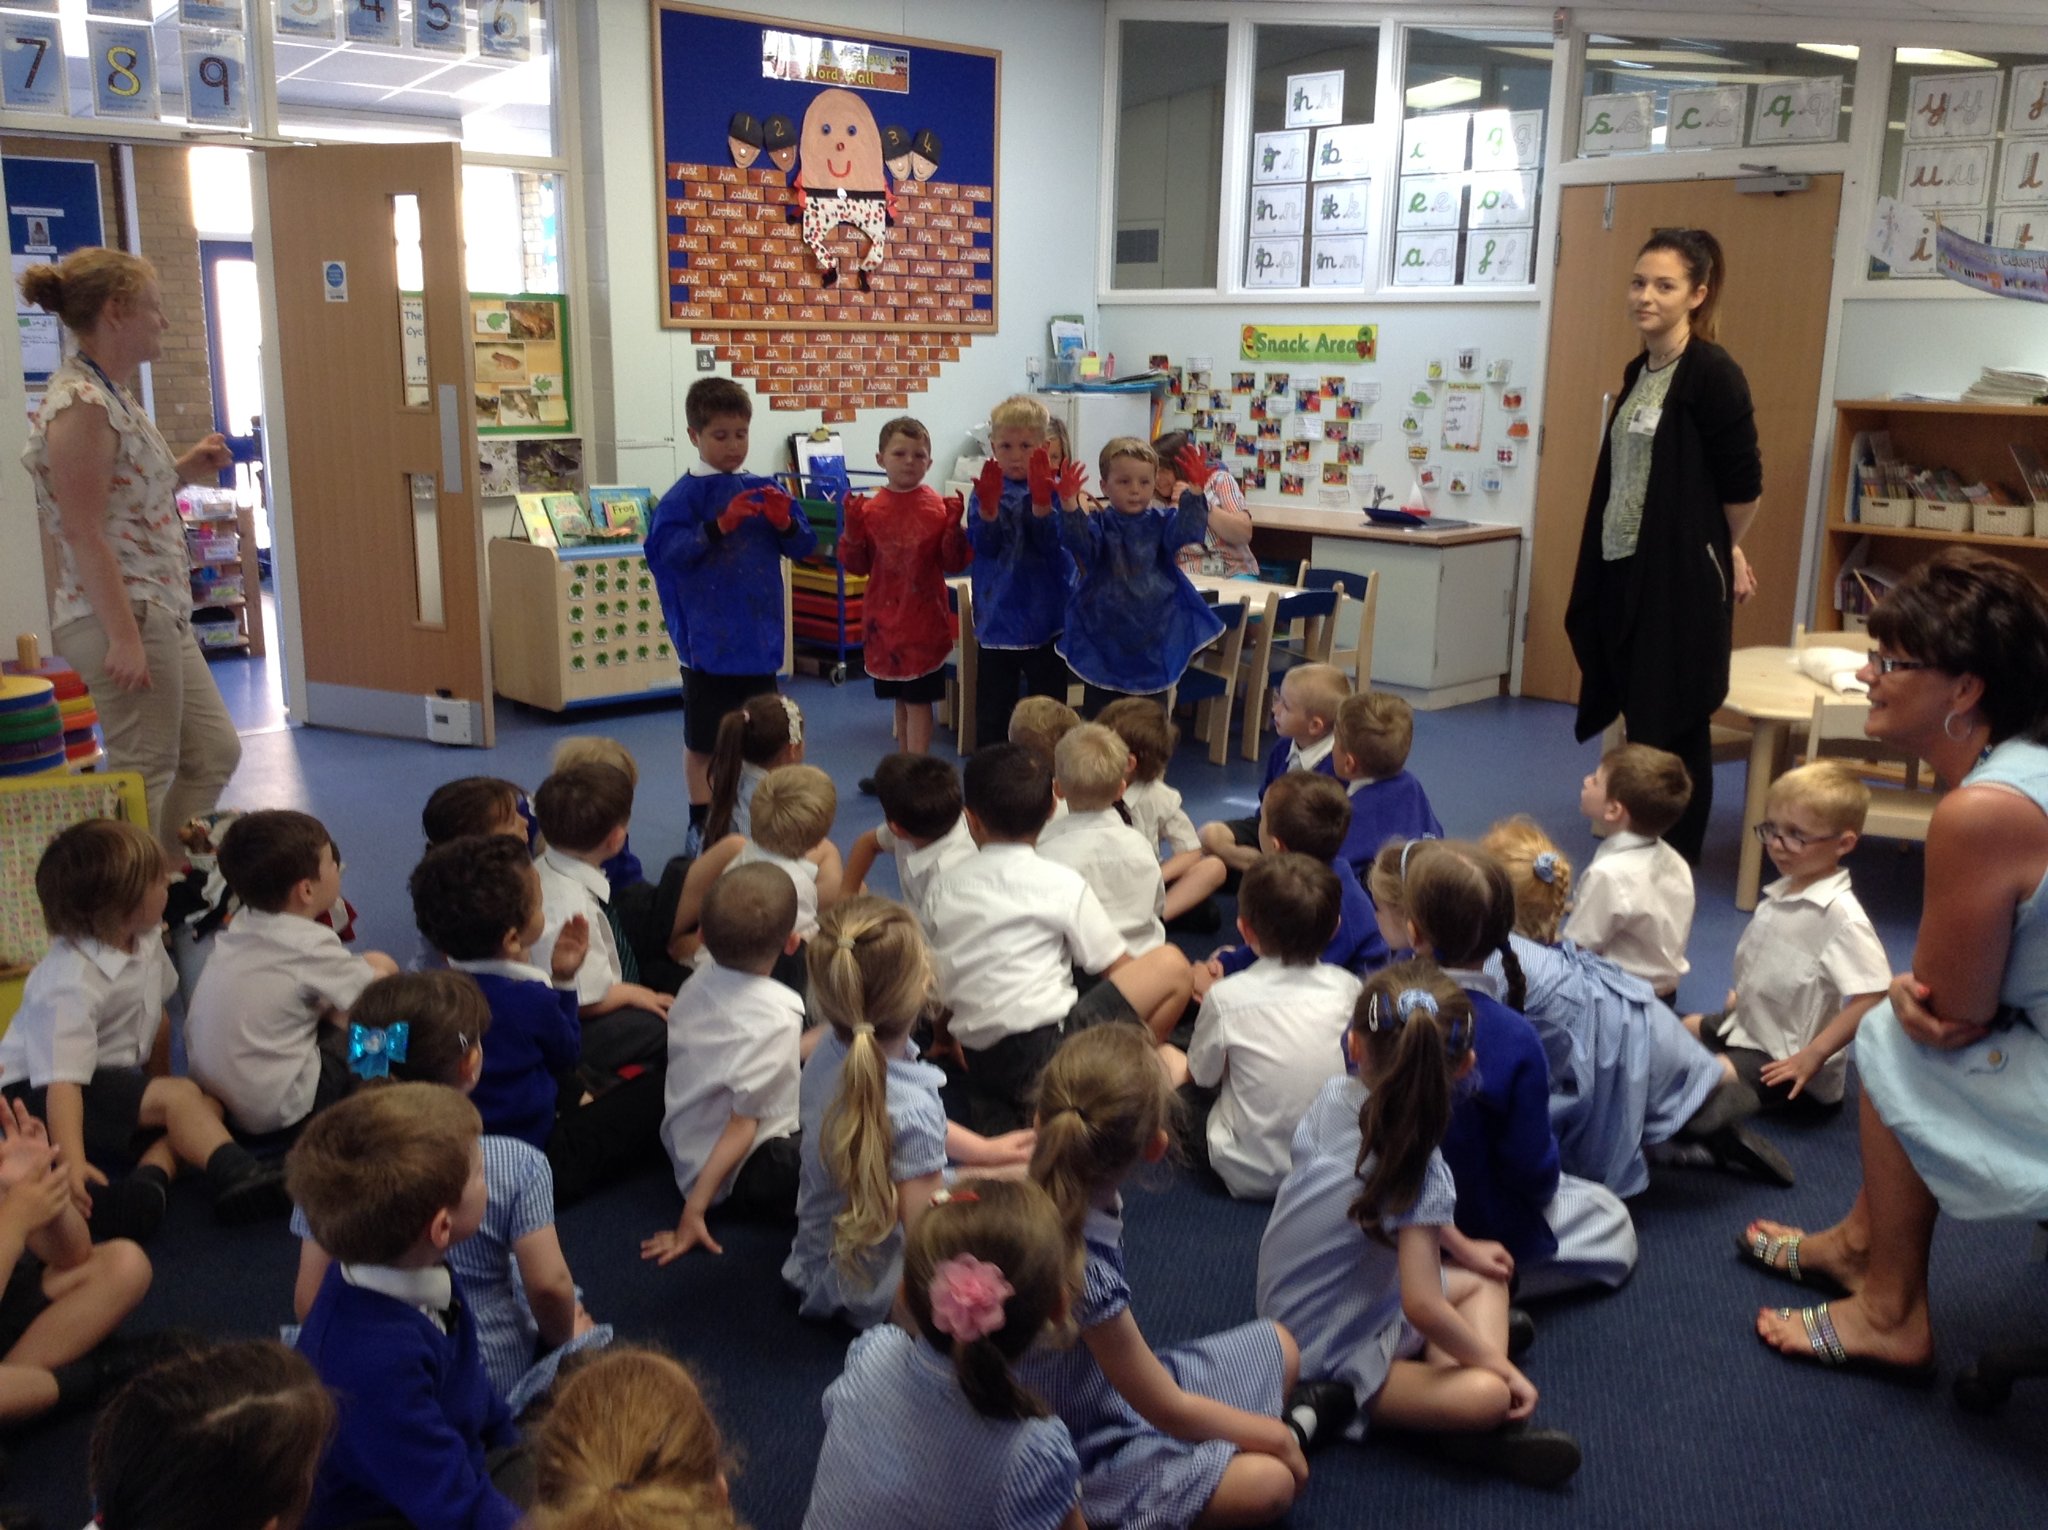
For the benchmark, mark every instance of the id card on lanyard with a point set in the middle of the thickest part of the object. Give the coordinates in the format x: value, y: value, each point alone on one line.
x: 1642, y: 420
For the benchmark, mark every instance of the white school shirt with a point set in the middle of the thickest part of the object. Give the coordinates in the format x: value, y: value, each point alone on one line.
x: 86, y: 1006
x: 1123, y: 870
x: 751, y: 776
x: 732, y: 1051
x: 1270, y: 1035
x: 1634, y: 907
x: 569, y: 887
x: 252, y: 1030
x: 1011, y: 927
x: 918, y: 866
x: 801, y: 872
x: 1299, y: 758
x: 1157, y: 815
x: 1804, y: 955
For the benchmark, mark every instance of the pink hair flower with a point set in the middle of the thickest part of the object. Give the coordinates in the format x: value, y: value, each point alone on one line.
x: 967, y: 1296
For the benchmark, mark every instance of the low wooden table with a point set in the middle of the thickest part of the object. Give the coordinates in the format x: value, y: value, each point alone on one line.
x: 1766, y: 686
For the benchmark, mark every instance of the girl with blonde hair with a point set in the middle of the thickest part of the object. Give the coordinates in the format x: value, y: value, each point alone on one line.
x: 628, y: 1444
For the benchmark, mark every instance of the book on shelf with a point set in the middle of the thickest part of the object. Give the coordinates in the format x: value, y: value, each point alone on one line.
x: 530, y: 521
x: 571, y: 522
x: 2033, y: 472
x: 2007, y: 385
x: 621, y: 511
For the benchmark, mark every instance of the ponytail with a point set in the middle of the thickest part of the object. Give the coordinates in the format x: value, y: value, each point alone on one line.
x: 1517, y: 995
x: 1705, y: 266
x: 1101, y: 1102
x: 856, y: 1153
x: 725, y: 775
x: 1462, y: 904
x: 754, y: 733
x: 628, y: 1444
x: 1416, y: 1026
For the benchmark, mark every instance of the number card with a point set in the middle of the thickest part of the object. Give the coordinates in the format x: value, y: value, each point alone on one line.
x: 504, y: 29
x: 216, y: 79
x: 223, y: 15
x: 122, y: 58
x: 437, y: 26
x: 307, y: 18
x: 127, y: 10
x: 1798, y: 111
x: 1426, y: 260
x: 371, y: 21
x: 32, y: 65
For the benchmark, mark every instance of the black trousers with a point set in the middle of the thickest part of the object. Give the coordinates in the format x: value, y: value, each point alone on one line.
x: 1003, y: 675
x: 613, y: 1136
x: 764, y: 1190
x: 1694, y: 746
x: 1094, y: 698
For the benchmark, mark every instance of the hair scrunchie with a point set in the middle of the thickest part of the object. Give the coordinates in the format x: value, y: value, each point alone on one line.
x: 967, y: 1297
x: 1544, y: 867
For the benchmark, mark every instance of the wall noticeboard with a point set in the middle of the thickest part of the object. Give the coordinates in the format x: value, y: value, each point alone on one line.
x: 901, y: 231
x: 522, y: 363
x: 53, y: 208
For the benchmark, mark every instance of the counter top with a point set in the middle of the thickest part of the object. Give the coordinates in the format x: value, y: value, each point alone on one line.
x: 1354, y: 525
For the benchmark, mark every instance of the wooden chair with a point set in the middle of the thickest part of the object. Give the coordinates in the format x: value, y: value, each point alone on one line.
x: 1896, y: 811
x: 1211, y: 681
x: 1305, y: 621
x: 960, y: 669
x: 1355, y: 661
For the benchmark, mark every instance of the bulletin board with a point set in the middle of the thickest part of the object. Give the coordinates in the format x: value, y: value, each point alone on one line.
x: 522, y: 363
x: 53, y: 208
x: 901, y: 234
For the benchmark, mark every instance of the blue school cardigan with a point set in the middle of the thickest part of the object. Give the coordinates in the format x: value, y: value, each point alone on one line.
x: 1500, y: 1147
x: 1395, y: 808
x: 1356, y: 947
x: 536, y: 1033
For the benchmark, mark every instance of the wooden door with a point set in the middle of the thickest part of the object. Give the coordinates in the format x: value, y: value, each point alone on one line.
x: 1773, y: 320
x: 386, y: 532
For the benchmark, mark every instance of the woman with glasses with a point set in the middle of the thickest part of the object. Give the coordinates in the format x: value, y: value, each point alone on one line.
x: 1659, y: 574
x: 1954, y: 1065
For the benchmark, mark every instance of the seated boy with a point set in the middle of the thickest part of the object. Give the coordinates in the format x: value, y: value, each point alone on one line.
x: 266, y: 1031
x: 1810, y: 965
x: 1309, y: 814
x: 584, y: 812
x: 922, y: 827
x: 1634, y: 904
x: 1191, y: 875
x: 1305, y: 706
x: 389, y: 1180
x: 478, y: 902
x: 1265, y: 1043
x: 477, y: 805
x: 1040, y: 722
x: 791, y: 825
x: 734, y: 1063
x: 1112, y: 857
x: 1374, y: 732
x: 1012, y: 926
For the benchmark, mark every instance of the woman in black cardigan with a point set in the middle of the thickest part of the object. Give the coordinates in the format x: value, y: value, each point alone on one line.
x: 1659, y: 573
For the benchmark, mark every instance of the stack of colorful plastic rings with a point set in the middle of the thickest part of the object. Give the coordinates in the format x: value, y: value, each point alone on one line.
x: 31, y: 726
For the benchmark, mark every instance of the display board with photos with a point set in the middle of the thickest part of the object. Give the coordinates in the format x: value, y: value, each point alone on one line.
x: 1467, y: 198
x: 522, y: 363
x: 1309, y: 210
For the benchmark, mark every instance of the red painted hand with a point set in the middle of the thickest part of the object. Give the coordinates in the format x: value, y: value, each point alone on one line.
x: 856, y: 508
x: 1041, y: 481
x: 988, y: 489
x: 776, y: 506
x: 1069, y: 482
x: 1191, y: 466
x: 737, y: 509
x: 955, y: 506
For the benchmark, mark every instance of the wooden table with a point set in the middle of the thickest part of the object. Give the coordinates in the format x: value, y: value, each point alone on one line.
x: 1766, y: 686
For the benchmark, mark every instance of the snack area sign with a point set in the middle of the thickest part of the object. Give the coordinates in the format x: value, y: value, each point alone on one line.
x: 1340, y: 344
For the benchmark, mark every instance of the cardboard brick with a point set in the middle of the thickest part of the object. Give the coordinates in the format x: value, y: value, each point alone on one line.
x: 924, y: 269
x: 727, y: 352
x: 747, y: 262
x: 709, y: 261
x: 810, y: 352
x: 943, y: 221
x: 978, y: 193
x: 677, y: 171
x: 978, y: 316
x: 693, y: 208
x: 946, y: 284
x: 691, y: 242
x: 892, y: 401
x: 767, y: 175
x: 941, y: 189
x: 743, y: 194
x: 740, y: 311
x: 784, y: 263
x: 779, y: 312
x: 726, y: 245
x: 785, y: 401
x: 690, y: 311
x: 729, y: 175
x: 727, y: 210
x: 977, y: 225
x: 978, y: 288
x: 786, y: 369
x: 837, y: 416
x: 775, y: 352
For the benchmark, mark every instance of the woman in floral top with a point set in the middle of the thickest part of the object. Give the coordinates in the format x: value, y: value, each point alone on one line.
x: 106, y: 488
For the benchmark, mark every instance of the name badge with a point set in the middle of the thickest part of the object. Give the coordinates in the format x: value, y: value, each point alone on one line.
x: 1642, y: 420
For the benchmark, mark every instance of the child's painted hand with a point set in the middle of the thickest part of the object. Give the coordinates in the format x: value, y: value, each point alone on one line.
x: 738, y: 509
x: 776, y: 506
x: 1068, y: 482
x: 856, y: 509
x: 988, y: 489
x: 571, y: 946
x: 956, y: 507
x: 667, y: 1247
x: 1039, y: 475
x: 1191, y: 467
x: 1797, y: 1070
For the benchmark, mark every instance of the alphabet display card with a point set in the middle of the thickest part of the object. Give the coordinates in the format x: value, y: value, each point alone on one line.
x: 1273, y: 263
x: 2023, y: 176
x: 2029, y: 110
x: 1280, y: 157
x: 1340, y: 207
x: 1435, y: 144
x: 1944, y: 106
x: 1315, y: 99
x: 1337, y: 262
x: 1798, y: 111
x: 1430, y: 201
x: 1277, y: 210
x: 1503, y: 140
x: 1706, y: 119
x: 1343, y: 153
x: 1499, y: 257
x: 1945, y: 175
x: 1616, y: 124
x: 1507, y: 200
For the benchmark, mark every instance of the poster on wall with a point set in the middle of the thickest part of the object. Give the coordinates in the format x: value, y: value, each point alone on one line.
x: 522, y: 363
x: 841, y: 180
x: 53, y: 209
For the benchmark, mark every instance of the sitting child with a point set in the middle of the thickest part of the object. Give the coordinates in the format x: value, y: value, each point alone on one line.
x: 1404, y: 1314
x: 1111, y: 856
x: 1263, y: 1043
x: 1012, y: 926
x: 61, y: 1294
x: 390, y: 1180
x: 1635, y: 901
x: 629, y: 1426
x: 477, y: 805
x: 733, y: 1061
x: 792, y: 820
x: 87, y: 1050
x: 641, y: 911
x: 985, y: 1275
x: 1305, y: 705
x: 1625, y: 1075
x: 429, y: 1028
x: 225, y: 1435
x: 1374, y: 733
x: 478, y: 901
x: 764, y: 733
x: 922, y: 826
x: 1155, y: 808
x: 264, y: 1028
x: 622, y: 870
x: 1040, y: 722
x: 1810, y: 965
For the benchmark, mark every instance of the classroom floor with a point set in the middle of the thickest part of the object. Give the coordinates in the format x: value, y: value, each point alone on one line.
x: 1686, y: 1420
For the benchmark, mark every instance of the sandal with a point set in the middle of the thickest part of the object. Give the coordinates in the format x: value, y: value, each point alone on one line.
x: 1825, y: 1347
x: 1763, y: 1250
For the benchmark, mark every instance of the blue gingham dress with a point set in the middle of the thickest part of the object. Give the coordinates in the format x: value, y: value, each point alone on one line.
x: 1335, y: 1289
x: 1131, y: 1474
x: 905, y: 1449
x: 522, y: 1201
x: 917, y: 1125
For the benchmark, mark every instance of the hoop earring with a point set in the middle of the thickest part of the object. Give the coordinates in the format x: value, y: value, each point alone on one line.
x: 1949, y: 733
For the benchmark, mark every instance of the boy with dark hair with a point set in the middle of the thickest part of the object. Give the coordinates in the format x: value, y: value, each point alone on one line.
x: 476, y: 805
x: 1374, y: 733
x: 923, y: 827
x: 715, y: 546
x: 1635, y: 902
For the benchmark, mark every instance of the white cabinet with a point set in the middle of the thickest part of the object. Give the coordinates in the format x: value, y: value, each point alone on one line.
x: 1445, y: 627
x: 1095, y: 419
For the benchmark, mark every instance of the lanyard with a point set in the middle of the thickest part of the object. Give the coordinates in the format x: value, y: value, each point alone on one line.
x: 112, y: 387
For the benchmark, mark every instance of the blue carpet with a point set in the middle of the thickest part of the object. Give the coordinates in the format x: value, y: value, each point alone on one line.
x: 1686, y: 1420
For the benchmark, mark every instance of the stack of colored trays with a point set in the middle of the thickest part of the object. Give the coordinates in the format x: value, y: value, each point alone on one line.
x: 74, y: 704
x: 31, y: 727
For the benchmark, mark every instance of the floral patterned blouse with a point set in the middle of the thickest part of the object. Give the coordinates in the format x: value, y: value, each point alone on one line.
x: 142, y: 525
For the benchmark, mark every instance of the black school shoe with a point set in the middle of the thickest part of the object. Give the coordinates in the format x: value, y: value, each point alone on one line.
x: 1738, y: 1147
x: 1533, y: 1457
x: 1329, y: 1407
x: 1205, y: 918
x: 245, y: 1189
x: 131, y: 1207
x: 1521, y: 1332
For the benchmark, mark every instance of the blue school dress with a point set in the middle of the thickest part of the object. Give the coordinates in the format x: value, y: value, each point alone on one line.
x: 1020, y: 574
x: 904, y: 1448
x: 1321, y: 1277
x: 1396, y: 808
x: 732, y: 580
x: 917, y: 1124
x: 1971, y: 1119
x: 1134, y: 621
x: 1132, y: 1475
x: 1624, y: 1070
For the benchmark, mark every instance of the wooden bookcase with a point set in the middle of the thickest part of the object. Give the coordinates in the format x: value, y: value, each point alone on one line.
x: 1973, y: 439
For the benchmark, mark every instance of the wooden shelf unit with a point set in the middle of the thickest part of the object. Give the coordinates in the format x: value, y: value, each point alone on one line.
x: 244, y: 611
x: 1975, y: 440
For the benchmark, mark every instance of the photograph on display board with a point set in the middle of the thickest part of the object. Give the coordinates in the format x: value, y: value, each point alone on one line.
x: 522, y: 363
x: 833, y: 178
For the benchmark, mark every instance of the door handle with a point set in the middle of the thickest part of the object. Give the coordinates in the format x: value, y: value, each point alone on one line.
x: 1600, y: 435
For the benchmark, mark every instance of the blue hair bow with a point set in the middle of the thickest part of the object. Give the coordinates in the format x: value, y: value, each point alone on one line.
x: 1384, y: 1014
x: 373, y: 1049
x: 1545, y: 867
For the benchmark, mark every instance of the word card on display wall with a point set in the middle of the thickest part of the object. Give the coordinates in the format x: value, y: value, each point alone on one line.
x: 1307, y: 216
x: 1466, y: 212
x: 1955, y: 173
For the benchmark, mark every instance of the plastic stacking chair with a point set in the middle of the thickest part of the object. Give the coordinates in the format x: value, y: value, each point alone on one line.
x: 960, y: 669
x: 1211, y: 680
x: 1294, y: 629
